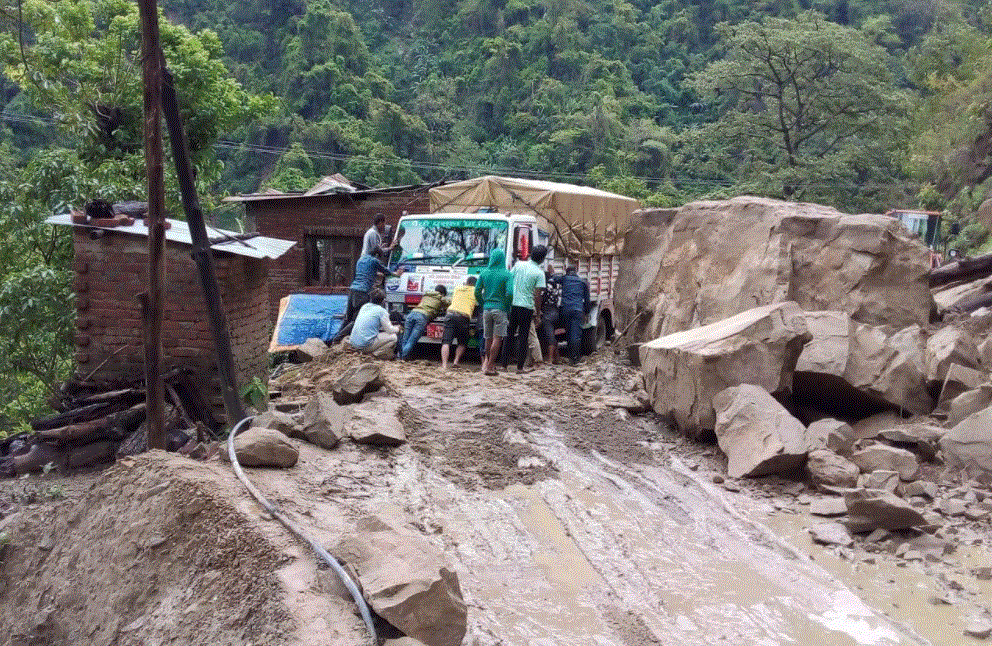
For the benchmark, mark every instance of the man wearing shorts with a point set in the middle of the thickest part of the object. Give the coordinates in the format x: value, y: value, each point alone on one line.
x: 458, y: 322
x: 495, y: 291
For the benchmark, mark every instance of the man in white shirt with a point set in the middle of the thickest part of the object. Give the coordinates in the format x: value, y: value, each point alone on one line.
x: 373, y: 333
x: 373, y: 237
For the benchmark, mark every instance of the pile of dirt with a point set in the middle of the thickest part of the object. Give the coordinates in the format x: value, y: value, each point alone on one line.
x: 155, y: 552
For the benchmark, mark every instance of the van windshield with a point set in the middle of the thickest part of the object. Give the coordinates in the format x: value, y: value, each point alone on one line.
x: 430, y: 241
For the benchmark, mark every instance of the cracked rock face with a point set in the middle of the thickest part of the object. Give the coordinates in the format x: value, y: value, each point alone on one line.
x: 684, y: 371
x: 709, y: 260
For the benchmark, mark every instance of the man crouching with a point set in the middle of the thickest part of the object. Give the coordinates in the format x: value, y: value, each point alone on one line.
x: 373, y: 333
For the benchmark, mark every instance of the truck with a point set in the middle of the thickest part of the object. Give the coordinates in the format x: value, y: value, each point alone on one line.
x: 469, y: 219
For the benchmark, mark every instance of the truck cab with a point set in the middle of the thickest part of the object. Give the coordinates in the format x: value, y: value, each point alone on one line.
x: 446, y: 248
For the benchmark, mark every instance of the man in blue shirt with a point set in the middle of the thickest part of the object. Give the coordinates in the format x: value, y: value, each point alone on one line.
x: 575, y: 305
x: 373, y: 332
x: 366, y: 269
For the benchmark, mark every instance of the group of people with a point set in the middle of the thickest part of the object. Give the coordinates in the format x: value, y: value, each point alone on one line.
x: 519, y: 309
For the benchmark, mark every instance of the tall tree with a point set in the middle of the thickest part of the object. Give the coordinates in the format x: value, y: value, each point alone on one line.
x: 807, y: 110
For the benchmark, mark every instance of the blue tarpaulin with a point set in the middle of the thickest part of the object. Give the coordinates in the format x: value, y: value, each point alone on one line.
x: 309, y: 316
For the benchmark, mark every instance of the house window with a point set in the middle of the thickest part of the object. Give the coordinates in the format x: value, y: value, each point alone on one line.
x: 330, y: 260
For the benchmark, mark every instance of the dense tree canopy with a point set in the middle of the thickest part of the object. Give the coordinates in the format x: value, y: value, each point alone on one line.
x: 806, y: 106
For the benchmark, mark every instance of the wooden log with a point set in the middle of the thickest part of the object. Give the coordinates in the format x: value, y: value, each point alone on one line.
x: 971, y: 303
x: 966, y: 268
x: 75, y: 416
x: 114, y: 426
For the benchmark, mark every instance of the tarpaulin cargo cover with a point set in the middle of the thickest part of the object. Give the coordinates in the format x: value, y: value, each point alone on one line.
x: 585, y: 221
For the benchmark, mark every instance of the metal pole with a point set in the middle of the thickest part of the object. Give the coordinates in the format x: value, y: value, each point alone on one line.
x: 152, y: 302
x: 201, y: 249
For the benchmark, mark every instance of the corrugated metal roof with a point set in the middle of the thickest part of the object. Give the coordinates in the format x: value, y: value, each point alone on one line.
x: 359, y: 192
x: 256, y: 247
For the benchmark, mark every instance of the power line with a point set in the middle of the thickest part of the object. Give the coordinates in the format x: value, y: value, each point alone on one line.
x: 449, y: 169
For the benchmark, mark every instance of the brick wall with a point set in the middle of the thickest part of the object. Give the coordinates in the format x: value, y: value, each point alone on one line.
x: 112, y: 270
x: 326, y: 215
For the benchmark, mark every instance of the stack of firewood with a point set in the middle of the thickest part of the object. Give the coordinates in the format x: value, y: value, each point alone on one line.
x: 94, y: 427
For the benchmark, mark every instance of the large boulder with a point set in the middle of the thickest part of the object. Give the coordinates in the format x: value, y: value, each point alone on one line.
x: 968, y: 446
x: 857, y: 370
x: 264, y: 447
x: 949, y: 346
x: 756, y: 432
x: 353, y: 385
x: 710, y: 260
x: 323, y: 421
x: 407, y: 582
x: 684, y: 371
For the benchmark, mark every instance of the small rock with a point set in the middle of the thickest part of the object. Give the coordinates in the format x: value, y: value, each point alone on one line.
x: 976, y: 514
x: 831, y: 534
x: 887, y: 458
x: 870, y: 509
x: 357, y: 382
x: 830, y: 434
x: 982, y: 573
x: 884, y: 480
x: 831, y: 506
x: 264, y: 447
x: 979, y: 629
x: 952, y: 507
x: 826, y: 468
x: 718, y: 479
x: 902, y: 549
x: 731, y: 486
x: 310, y: 349
x: 277, y: 421
x: 323, y: 421
x: 912, y: 555
x: 919, y: 488
x: 878, y: 535
x: 377, y: 422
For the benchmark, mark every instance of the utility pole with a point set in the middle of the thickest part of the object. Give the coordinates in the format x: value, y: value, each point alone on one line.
x: 202, y: 254
x: 152, y: 302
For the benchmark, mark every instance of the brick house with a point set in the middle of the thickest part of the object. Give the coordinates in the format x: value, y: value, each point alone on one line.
x: 328, y: 229
x: 111, y: 269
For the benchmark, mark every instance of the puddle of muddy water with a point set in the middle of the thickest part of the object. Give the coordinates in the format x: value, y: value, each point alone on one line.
x: 907, y: 594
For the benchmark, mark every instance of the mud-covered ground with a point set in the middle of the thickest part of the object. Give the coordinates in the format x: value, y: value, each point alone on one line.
x: 568, y: 521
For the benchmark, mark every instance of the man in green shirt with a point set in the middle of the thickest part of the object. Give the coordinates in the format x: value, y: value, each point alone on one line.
x: 495, y: 291
x: 528, y: 285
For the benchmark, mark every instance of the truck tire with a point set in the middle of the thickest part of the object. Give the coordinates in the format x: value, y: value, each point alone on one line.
x: 593, y: 338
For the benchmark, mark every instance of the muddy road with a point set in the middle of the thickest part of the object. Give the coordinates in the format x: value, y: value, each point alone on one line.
x: 567, y: 520
x: 570, y: 523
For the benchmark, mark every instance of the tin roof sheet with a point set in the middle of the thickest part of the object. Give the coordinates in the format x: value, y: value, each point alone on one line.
x: 255, y: 247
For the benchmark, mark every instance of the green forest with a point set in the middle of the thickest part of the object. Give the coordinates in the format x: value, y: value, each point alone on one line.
x: 863, y: 105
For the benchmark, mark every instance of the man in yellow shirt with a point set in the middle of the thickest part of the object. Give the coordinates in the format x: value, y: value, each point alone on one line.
x: 458, y: 323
